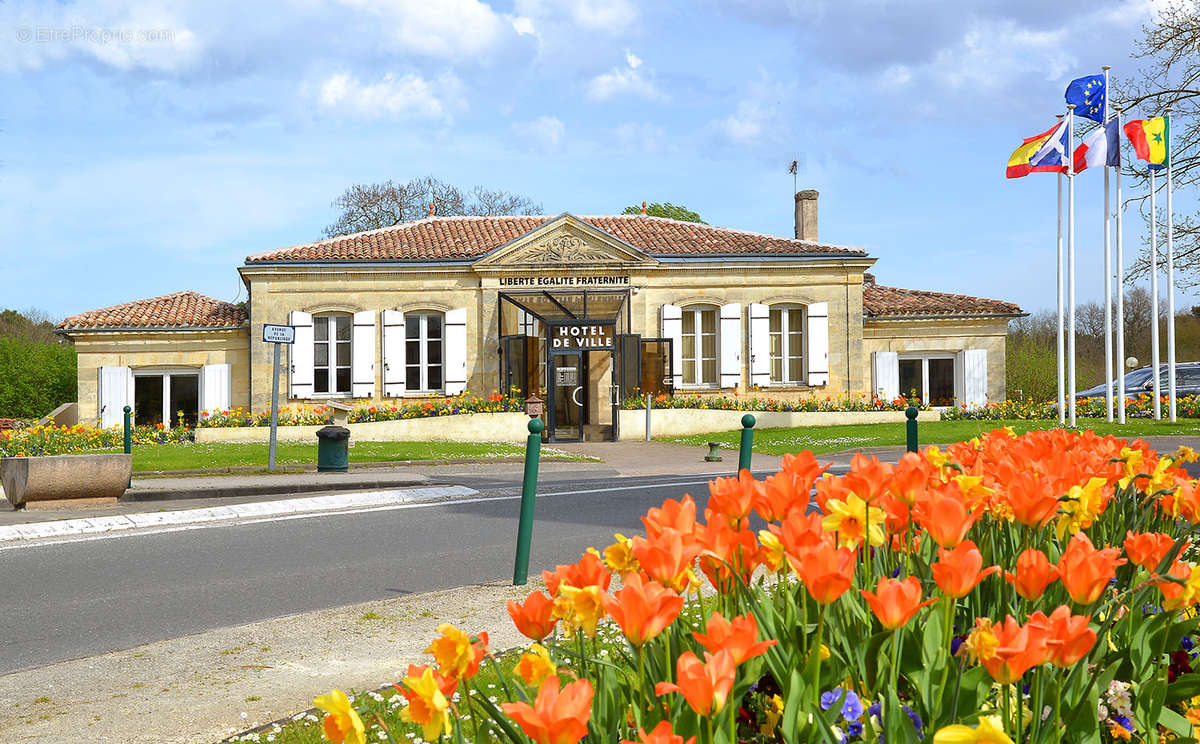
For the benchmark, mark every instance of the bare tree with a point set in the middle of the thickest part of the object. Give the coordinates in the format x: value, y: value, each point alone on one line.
x: 376, y: 205
x: 1170, y: 77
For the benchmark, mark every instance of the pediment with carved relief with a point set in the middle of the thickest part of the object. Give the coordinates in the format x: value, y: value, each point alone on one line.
x: 565, y: 241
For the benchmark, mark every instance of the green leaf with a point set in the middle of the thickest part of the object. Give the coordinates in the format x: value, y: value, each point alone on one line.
x: 1177, y: 723
x: 1184, y: 687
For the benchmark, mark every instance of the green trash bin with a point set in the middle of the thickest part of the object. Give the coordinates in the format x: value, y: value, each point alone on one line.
x: 333, y: 449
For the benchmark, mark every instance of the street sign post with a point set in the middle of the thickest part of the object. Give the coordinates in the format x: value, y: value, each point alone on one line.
x: 277, y: 335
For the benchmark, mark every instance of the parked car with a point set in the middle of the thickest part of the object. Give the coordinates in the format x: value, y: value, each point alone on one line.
x: 1141, y: 382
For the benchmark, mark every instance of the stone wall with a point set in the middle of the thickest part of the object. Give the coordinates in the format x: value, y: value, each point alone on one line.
x: 941, y: 335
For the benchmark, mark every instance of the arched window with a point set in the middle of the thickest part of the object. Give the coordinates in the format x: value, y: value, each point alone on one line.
x: 787, y: 344
x: 423, y: 352
x: 331, y: 353
x: 699, y: 345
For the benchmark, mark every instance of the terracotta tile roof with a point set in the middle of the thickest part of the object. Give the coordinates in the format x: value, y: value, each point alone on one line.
x: 893, y: 302
x: 178, y: 310
x: 450, y: 238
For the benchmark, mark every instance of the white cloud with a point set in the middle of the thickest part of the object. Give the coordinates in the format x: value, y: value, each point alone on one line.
x: 758, y: 121
x: 543, y: 133
x: 408, y: 96
x: 644, y: 136
x: 603, y: 16
x: 524, y: 26
x: 745, y: 125
x: 448, y: 29
x: 624, y: 81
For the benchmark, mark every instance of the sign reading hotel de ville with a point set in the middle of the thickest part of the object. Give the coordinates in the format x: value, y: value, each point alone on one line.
x: 582, y: 336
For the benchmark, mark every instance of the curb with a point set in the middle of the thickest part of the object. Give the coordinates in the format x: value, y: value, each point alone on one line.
x: 269, y: 489
x: 232, y: 513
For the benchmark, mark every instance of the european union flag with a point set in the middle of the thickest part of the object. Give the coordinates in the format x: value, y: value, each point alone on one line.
x: 1088, y: 93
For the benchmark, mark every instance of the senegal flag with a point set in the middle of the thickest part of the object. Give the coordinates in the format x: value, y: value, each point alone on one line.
x: 1151, y: 140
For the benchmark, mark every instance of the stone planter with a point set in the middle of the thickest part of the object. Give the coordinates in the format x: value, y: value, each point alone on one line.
x: 56, y: 477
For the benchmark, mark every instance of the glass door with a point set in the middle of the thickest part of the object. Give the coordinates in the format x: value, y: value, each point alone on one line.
x: 567, y: 396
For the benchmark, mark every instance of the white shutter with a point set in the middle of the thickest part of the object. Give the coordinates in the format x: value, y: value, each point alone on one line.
x: 760, y: 344
x: 731, y: 345
x: 116, y: 392
x: 974, y: 373
x: 216, y: 382
x: 300, y: 378
x: 456, y: 351
x: 362, y: 355
x: 672, y: 330
x: 393, y: 353
x: 886, y: 365
x: 818, y: 344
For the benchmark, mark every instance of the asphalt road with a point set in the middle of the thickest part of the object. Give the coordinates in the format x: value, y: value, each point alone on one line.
x: 78, y: 599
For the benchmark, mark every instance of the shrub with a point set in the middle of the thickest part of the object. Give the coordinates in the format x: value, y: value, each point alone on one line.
x: 35, y: 378
x: 320, y: 415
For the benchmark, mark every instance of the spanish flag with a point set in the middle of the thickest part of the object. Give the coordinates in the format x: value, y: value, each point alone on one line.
x: 1151, y: 140
x: 1042, y: 153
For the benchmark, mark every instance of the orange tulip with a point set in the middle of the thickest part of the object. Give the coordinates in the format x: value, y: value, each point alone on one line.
x: 1070, y: 638
x: 555, y: 717
x: 705, y: 685
x: 1176, y: 596
x: 725, y: 547
x: 789, y: 490
x: 739, y: 637
x: 446, y: 684
x: 643, y: 608
x: 662, y: 734
x: 868, y: 477
x: 1018, y: 648
x: 589, y: 570
x: 959, y: 571
x: 804, y: 470
x: 946, y: 518
x: 676, y: 515
x: 910, y: 480
x: 535, y: 618
x: 1085, y: 571
x: 732, y: 499
x: 1034, y: 573
x: 825, y: 571
x: 1031, y: 500
x: 1148, y: 549
x: 895, y: 601
x: 667, y: 558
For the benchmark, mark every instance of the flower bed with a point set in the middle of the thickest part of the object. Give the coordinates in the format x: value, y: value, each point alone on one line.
x: 947, y: 598
x: 828, y: 404
x: 66, y: 440
x: 1139, y: 407
x: 320, y: 415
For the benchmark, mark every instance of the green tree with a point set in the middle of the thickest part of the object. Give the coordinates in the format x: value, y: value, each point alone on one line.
x: 668, y: 210
x: 35, y: 378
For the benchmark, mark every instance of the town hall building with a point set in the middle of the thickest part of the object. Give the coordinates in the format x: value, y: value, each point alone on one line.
x: 583, y: 311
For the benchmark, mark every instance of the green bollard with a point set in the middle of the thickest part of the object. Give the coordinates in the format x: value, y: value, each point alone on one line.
x: 533, y: 451
x: 747, y: 446
x: 911, y: 428
x: 128, y: 438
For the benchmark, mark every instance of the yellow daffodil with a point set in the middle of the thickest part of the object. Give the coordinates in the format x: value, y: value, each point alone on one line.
x: 342, y: 723
x: 936, y: 457
x: 619, y: 556
x: 535, y: 666
x: 853, y: 520
x: 1132, y: 460
x: 987, y: 732
x: 580, y: 608
x: 1186, y: 454
x: 1081, y: 507
x: 427, y: 706
x: 981, y: 643
x: 773, y: 554
x: 972, y: 487
x: 452, y: 651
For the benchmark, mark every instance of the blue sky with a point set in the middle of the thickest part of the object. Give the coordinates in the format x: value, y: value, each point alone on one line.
x: 148, y: 147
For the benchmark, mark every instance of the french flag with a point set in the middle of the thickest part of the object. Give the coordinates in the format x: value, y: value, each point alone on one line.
x: 1101, y: 147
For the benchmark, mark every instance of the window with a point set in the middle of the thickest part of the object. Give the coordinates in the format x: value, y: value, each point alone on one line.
x: 699, y: 342
x: 527, y: 323
x: 331, y: 354
x: 423, y: 352
x: 787, y: 345
x: 166, y: 398
x: 931, y: 378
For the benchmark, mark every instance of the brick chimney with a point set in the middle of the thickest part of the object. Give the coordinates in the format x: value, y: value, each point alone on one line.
x: 806, y: 215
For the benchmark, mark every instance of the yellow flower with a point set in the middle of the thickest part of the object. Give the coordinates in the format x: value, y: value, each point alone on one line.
x: 852, y: 520
x: 988, y: 732
x: 972, y: 487
x: 773, y: 712
x: 535, y: 666
x: 452, y: 651
x: 619, y: 556
x: 580, y: 608
x: 342, y: 723
x: 981, y: 643
x: 1186, y: 454
x: 427, y: 705
x: 773, y: 555
x: 1082, y: 506
x: 1132, y: 459
x: 936, y: 457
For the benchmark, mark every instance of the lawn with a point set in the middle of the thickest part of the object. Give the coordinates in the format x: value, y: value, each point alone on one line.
x: 156, y: 457
x: 821, y: 439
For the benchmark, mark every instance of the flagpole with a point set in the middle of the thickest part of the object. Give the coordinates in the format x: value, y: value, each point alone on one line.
x: 1120, y: 290
x: 1061, y: 400
x: 1170, y: 277
x: 1154, y: 299
x: 1071, y: 262
x: 1108, y: 346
